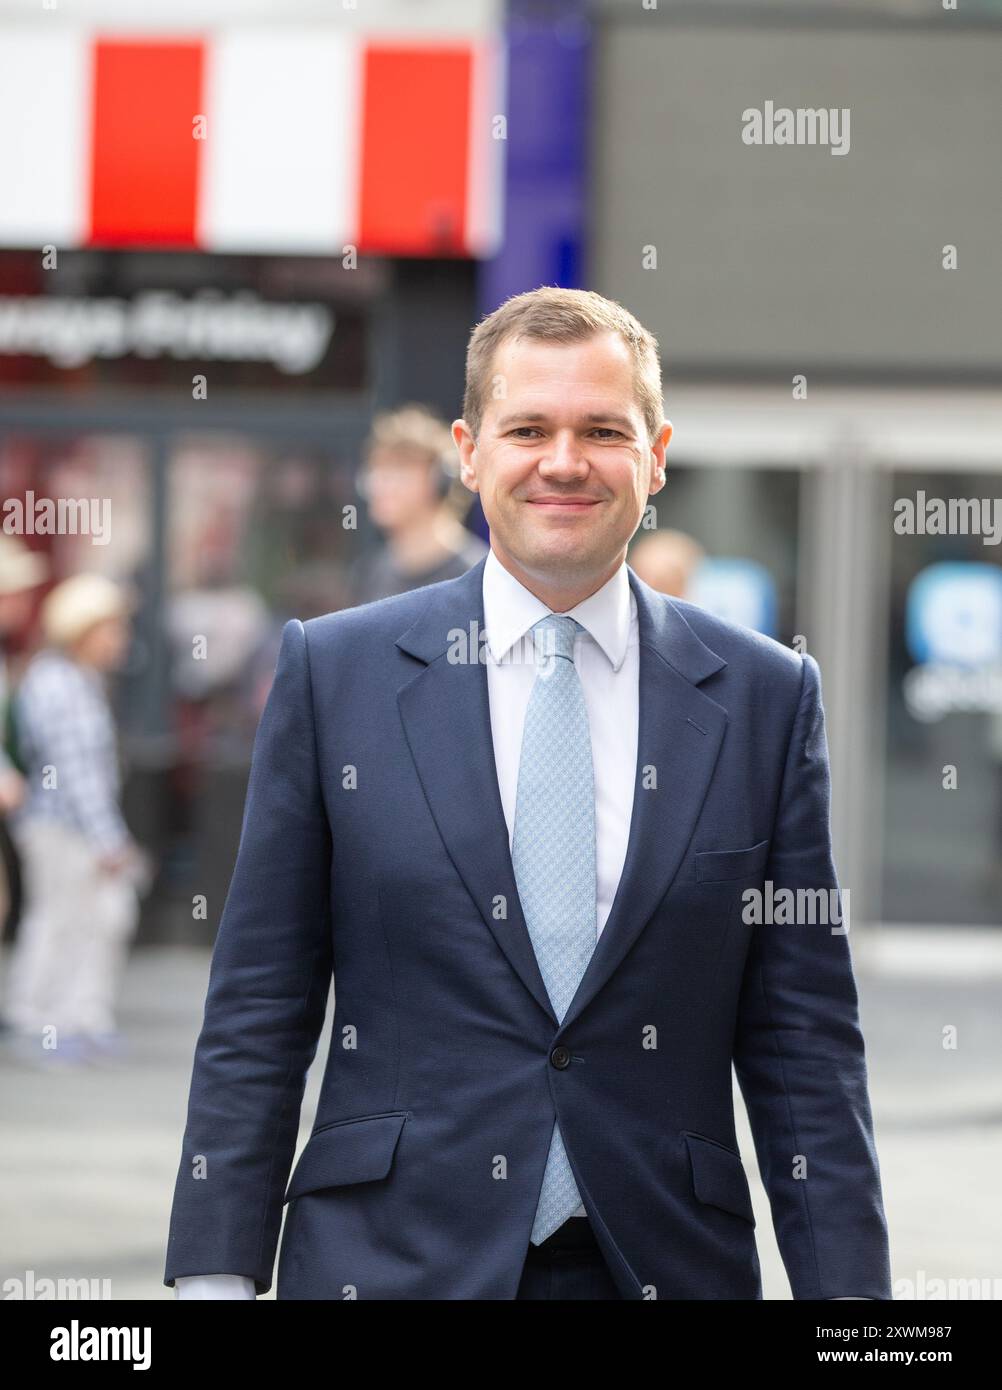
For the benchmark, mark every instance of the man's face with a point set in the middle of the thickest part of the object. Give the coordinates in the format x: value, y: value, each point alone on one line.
x: 563, y: 465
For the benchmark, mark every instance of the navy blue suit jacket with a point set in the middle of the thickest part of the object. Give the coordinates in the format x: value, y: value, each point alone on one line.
x: 374, y: 845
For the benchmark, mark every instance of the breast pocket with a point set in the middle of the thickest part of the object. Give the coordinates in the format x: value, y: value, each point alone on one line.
x: 729, y: 865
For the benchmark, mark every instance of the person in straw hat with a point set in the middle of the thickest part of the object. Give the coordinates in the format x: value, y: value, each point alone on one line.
x: 80, y: 861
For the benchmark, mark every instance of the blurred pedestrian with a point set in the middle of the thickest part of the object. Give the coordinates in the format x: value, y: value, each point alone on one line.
x: 21, y: 572
x: 81, y: 865
x: 415, y: 499
x: 667, y: 561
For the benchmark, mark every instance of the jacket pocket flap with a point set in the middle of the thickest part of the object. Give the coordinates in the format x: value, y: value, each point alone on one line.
x: 348, y: 1151
x: 721, y: 865
x: 718, y: 1176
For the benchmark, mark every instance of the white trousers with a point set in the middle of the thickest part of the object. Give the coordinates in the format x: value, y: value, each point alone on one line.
x: 73, y: 938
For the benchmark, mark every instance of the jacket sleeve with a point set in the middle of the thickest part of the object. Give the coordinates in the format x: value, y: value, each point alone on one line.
x: 268, y: 986
x: 798, y: 1052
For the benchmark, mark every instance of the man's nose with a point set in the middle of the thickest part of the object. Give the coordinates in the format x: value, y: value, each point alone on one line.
x: 563, y: 457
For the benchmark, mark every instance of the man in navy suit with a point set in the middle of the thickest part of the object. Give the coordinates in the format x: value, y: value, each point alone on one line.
x: 523, y: 817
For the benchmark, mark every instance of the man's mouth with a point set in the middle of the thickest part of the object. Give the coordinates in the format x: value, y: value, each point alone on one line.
x: 570, y: 504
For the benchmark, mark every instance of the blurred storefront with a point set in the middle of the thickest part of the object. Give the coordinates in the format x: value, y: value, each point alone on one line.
x: 330, y: 254
x: 226, y: 239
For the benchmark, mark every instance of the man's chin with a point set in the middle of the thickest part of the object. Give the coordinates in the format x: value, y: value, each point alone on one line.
x: 557, y: 560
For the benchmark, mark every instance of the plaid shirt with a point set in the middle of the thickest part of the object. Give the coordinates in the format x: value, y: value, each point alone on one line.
x: 65, y: 725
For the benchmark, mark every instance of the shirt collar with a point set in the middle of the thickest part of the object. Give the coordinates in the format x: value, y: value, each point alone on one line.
x: 510, y: 610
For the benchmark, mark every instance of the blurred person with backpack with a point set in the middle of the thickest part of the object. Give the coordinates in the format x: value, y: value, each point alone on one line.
x: 81, y: 864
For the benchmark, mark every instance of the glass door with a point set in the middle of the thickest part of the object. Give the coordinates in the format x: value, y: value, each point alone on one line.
x: 942, y: 812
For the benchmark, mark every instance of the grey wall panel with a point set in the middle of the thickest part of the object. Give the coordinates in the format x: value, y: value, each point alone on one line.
x: 790, y: 255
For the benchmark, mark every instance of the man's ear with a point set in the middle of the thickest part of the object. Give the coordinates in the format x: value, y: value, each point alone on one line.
x: 659, y: 465
x: 466, y: 448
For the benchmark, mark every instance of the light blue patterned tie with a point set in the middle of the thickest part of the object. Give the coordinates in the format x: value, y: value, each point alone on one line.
x: 553, y: 855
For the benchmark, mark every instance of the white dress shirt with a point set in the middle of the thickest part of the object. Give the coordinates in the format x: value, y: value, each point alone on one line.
x: 607, y: 658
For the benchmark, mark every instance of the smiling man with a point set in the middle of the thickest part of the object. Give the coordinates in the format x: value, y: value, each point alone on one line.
x: 526, y: 871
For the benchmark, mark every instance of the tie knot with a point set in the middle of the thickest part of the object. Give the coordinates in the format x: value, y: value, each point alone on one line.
x: 554, y: 635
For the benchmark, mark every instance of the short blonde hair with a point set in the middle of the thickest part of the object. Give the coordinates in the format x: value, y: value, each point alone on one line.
x: 554, y: 315
x: 413, y: 428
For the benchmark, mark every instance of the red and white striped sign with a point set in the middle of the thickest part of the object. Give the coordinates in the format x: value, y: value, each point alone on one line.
x: 314, y: 139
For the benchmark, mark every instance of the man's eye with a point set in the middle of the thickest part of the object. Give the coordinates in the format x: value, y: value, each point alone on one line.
x: 526, y: 431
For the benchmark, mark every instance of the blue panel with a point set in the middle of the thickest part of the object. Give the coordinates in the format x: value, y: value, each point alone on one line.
x: 547, y: 160
x: 954, y: 614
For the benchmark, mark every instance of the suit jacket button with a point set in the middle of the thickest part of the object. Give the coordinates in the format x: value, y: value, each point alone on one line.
x: 561, y: 1057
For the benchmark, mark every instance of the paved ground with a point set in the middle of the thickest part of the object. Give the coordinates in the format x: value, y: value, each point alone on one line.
x: 89, y: 1157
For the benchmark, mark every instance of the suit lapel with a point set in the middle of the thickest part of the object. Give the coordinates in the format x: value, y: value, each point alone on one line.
x: 679, y: 736
x: 446, y: 715
x: 445, y: 711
